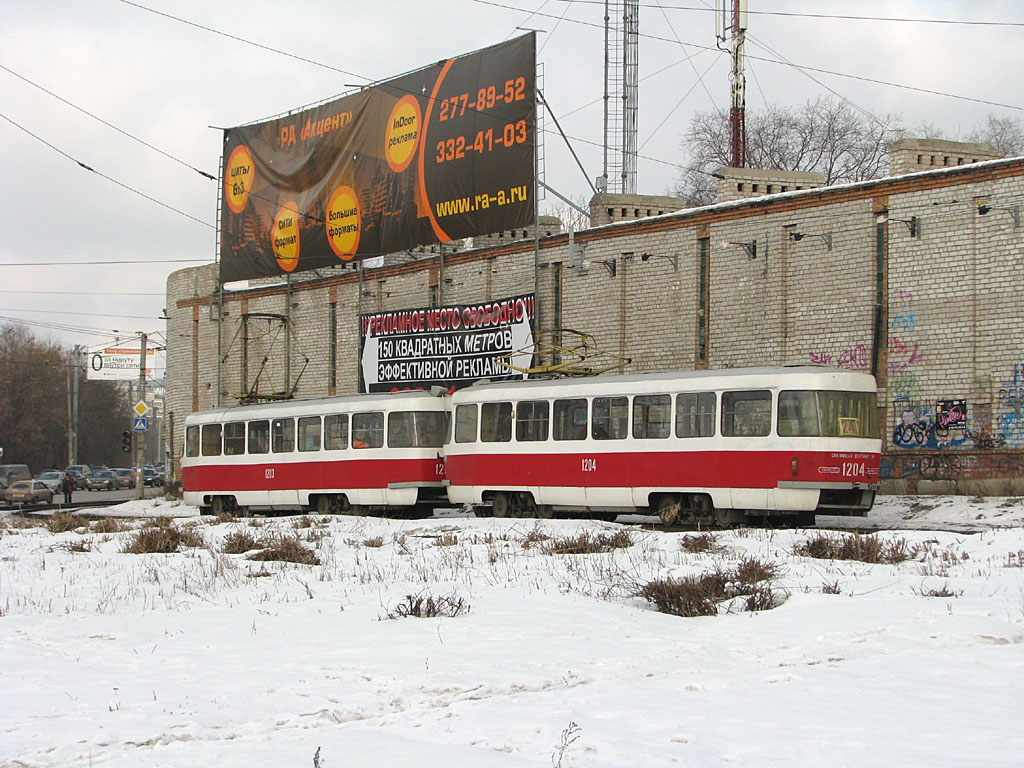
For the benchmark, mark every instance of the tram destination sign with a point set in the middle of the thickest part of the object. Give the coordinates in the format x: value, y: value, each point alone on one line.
x: 450, y: 346
x: 438, y: 154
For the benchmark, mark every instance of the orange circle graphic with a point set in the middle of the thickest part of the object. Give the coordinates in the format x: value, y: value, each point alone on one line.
x: 238, y: 178
x: 403, y: 132
x: 343, y: 222
x: 284, y: 236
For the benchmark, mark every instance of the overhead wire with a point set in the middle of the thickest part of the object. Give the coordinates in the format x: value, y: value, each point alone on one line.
x: 842, y: 17
x: 103, y: 175
x: 144, y: 143
x: 775, y: 61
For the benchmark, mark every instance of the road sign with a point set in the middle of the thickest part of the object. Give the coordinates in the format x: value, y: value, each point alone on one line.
x: 141, y: 408
x: 139, y: 424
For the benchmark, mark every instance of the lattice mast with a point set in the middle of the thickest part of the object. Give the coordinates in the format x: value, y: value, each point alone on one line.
x: 621, y: 89
x: 730, y: 28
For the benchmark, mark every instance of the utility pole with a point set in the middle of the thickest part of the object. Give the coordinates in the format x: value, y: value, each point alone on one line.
x: 140, y: 442
x: 731, y: 24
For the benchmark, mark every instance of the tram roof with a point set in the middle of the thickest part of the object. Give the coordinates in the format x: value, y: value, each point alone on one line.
x: 310, y: 405
x: 812, y: 376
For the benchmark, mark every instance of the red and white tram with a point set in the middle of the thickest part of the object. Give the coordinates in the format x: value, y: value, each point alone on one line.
x: 718, y: 446
x: 337, y: 454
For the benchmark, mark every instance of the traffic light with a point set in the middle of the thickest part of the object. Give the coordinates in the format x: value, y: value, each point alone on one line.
x: 126, y: 441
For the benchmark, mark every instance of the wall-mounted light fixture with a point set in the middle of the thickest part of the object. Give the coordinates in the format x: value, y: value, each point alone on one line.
x: 913, y: 225
x: 825, y: 237
x: 1014, y: 212
x: 673, y: 257
x: 610, y: 264
x: 750, y: 247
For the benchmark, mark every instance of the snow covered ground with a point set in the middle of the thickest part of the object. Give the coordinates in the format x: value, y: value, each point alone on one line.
x: 204, y: 658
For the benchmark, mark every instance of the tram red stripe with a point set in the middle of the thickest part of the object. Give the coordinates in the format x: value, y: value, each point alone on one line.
x: 709, y: 469
x: 279, y: 476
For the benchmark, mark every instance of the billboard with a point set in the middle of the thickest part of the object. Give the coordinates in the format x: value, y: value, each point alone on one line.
x: 120, y: 363
x: 438, y: 154
x: 450, y: 346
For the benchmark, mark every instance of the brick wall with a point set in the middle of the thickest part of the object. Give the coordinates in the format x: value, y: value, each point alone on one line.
x: 949, y: 326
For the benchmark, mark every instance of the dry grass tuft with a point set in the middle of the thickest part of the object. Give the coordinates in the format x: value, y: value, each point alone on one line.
x: 238, y: 543
x: 943, y: 591
x: 748, y: 586
x: 865, y: 549
x: 446, y: 540
x: 82, y: 545
x: 19, y: 522
x: 704, y: 542
x: 373, y: 541
x: 109, y: 525
x: 428, y: 607
x: 162, y: 537
x: 60, y: 522
x: 588, y: 543
x: 289, y: 549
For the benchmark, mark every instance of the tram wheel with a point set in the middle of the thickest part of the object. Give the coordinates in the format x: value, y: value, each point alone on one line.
x: 323, y: 505
x: 218, y: 506
x: 668, y: 508
x: 500, y: 505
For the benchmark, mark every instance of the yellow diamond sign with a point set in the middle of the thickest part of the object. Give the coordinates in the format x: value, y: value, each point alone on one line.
x: 141, y: 408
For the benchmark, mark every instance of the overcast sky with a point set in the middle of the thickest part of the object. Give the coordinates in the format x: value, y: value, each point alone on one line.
x: 171, y: 82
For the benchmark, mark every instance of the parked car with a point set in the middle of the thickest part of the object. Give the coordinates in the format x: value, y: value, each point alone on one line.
x: 150, y: 477
x: 102, y: 480
x: 28, y: 492
x: 125, y: 477
x: 11, y: 472
x: 78, y: 477
x: 52, y: 478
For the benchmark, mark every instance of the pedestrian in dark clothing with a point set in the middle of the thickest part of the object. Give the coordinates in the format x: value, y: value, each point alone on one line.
x: 68, y: 486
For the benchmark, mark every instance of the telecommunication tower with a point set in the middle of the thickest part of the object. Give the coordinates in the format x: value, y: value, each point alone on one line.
x: 621, y: 88
x: 730, y: 28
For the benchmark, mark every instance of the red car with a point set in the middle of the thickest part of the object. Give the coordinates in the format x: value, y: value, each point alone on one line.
x: 28, y: 492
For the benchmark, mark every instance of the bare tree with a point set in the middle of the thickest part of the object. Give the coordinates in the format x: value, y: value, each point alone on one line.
x: 33, y: 405
x: 826, y: 136
x: 571, y: 218
x: 1006, y: 134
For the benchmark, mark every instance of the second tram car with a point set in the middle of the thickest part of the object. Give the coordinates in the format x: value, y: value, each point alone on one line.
x: 720, y: 446
x: 337, y: 454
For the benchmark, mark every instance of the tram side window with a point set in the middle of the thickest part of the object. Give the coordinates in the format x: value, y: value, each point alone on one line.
x: 431, y: 428
x: 532, y: 420
x: 211, y: 440
x: 234, y: 438
x: 401, y: 430
x: 368, y: 429
x: 496, y: 422
x: 192, y: 441
x: 259, y: 437
x: 610, y: 418
x: 746, y: 414
x: 695, y: 414
x: 309, y: 433
x: 848, y: 414
x: 282, y: 436
x: 465, y: 423
x: 798, y: 414
x: 336, y: 432
x: 652, y: 416
x: 570, y: 418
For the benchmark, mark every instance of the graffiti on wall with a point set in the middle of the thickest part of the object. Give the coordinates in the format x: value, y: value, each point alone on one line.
x: 950, y: 466
x: 858, y: 358
x: 1010, y: 409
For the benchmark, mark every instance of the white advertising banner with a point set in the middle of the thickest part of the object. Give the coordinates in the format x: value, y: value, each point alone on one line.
x: 119, y: 363
x: 450, y: 346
